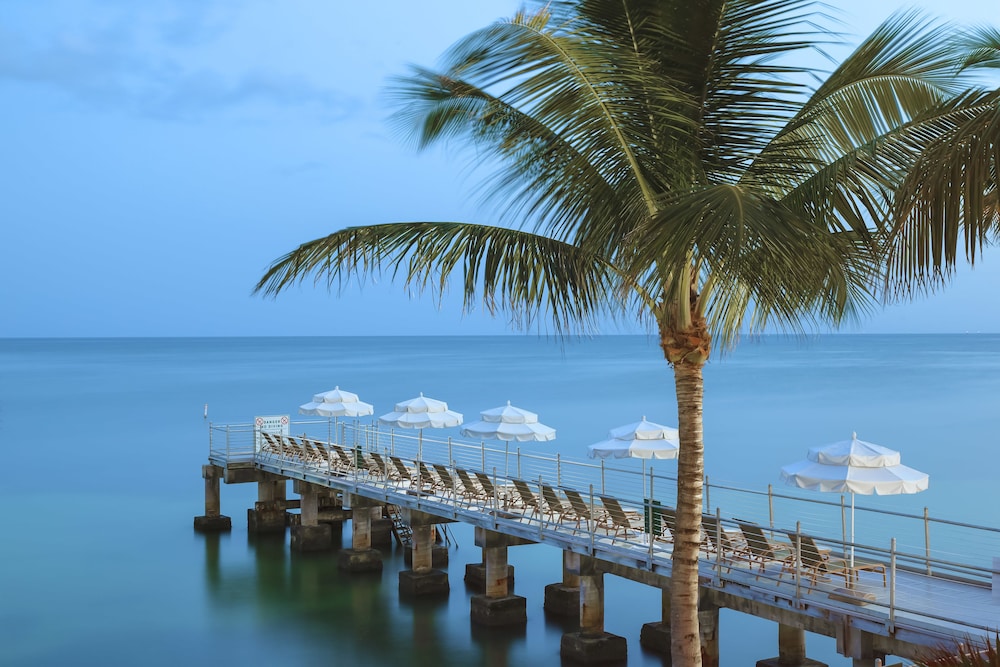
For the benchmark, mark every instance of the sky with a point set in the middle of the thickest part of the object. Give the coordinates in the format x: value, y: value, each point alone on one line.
x: 157, y: 156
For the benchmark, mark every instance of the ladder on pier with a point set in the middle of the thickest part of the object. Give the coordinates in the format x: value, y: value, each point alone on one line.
x: 400, y: 529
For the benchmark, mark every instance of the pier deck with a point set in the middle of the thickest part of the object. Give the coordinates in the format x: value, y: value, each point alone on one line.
x: 918, y: 600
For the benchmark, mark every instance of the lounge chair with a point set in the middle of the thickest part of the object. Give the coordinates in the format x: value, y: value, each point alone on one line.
x: 342, y: 459
x: 469, y: 489
x: 664, y: 522
x: 818, y: 562
x: 425, y: 478
x: 402, y: 472
x: 379, y: 467
x: 557, y: 508
x: 448, y: 484
x: 524, y: 498
x: 761, y: 550
x: 621, y: 522
x: 728, y: 546
x: 596, y: 514
x: 490, y: 489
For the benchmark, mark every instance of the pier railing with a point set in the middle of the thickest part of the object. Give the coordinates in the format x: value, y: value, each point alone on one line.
x: 894, y: 563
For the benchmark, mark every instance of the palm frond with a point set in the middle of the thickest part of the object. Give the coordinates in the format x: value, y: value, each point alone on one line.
x: 521, y: 274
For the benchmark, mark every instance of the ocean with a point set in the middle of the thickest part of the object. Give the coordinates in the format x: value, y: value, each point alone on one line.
x: 103, y: 440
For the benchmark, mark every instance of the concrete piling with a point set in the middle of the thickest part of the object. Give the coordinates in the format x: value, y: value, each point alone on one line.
x: 310, y: 534
x: 213, y: 520
x: 422, y: 579
x: 498, y: 606
x: 361, y: 557
x: 592, y: 644
x: 791, y: 650
x: 563, y: 598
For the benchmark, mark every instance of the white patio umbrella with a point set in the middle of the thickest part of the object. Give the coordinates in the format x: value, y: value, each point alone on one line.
x: 509, y: 423
x: 642, y: 440
x: 854, y: 466
x: 420, y: 413
x: 336, y: 403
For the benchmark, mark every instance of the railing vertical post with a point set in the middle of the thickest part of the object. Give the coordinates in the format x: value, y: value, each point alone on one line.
x: 603, y: 488
x: 798, y: 564
x: 392, y: 442
x: 770, y: 505
x: 496, y: 501
x: 892, y: 585
x: 482, y: 452
x: 558, y: 469
x: 539, y: 501
x: 708, y: 504
x: 450, y: 456
x: 718, y: 545
x: 594, y: 531
x: 519, y: 462
x: 927, y: 539
x: 227, y: 443
x: 210, y: 433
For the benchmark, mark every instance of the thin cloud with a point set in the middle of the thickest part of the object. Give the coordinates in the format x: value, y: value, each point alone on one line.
x: 154, y: 71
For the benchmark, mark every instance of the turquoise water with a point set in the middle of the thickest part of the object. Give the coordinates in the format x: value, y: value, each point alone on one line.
x: 103, y: 441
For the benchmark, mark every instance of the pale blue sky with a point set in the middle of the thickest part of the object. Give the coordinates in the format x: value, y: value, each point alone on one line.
x: 157, y: 156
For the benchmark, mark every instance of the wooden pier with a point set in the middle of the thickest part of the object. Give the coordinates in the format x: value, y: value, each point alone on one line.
x: 606, y: 521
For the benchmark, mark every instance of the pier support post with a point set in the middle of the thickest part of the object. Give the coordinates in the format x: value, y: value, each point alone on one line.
x: 310, y: 534
x: 361, y: 557
x: 268, y: 514
x: 498, y: 606
x: 212, y: 521
x: 563, y: 598
x: 857, y: 645
x: 656, y: 636
x: 791, y: 650
x: 422, y: 579
x: 592, y: 644
x: 708, y: 624
x: 475, y: 575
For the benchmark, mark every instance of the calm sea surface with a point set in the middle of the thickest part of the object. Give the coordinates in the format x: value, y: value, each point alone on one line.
x: 103, y: 440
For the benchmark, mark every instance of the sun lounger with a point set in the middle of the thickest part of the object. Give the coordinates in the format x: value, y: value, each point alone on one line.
x: 621, y: 522
x: 762, y: 550
x: 557, y: 508
x: 403, y: 473
x: 491, y: 490
x: 448, y: 484
x: 598, y: 515
x: 524, y: 498
x: 816, y: 562
x: 469, y: 489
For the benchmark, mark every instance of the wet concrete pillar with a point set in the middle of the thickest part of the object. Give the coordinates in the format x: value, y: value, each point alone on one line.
x: 212, y: 521
x: 361, y: 557
x: 592, y: 644
x: 857, y: 645
x: 656, y: 636
x: 310, y: 534
x: 268, y: 514
x: 563, y: 598
x: 498, y: 606
x: 475, y: 575
x: 422, y: 579
x: 708, y: 625
x: 791, y: 650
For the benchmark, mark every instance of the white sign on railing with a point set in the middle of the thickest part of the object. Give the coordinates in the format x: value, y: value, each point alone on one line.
x: 268, y: 424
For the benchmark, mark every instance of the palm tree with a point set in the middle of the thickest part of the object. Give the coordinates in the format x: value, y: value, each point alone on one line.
x: 949, y: 203
x: 668, y: 158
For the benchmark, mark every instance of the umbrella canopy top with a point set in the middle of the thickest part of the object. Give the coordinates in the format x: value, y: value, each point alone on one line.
x: 422, y: 412
x: 644, y: 430
x: 336, y: 403
x: 866, y: 480
x: 643, y: 439
x: 856, y: 453
x: 509, y: 431
x: 508, y: 414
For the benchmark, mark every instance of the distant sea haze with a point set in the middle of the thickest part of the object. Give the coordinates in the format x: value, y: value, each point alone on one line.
x: 104, y: 439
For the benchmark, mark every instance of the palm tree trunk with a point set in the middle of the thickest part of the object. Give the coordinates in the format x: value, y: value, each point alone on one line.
x: 685, y: 646
x: 687, y: 346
